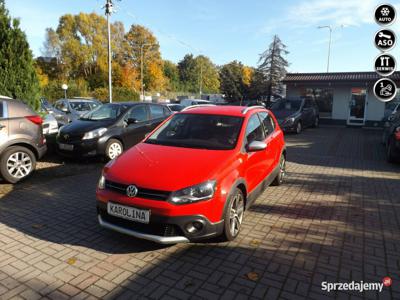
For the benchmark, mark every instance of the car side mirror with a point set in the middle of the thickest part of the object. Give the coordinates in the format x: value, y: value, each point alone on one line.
x: 256, y: 146
x: 65, y: 109
x: 130, y: 121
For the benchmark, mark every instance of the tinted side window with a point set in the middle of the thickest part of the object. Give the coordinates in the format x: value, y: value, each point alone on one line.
x: 156, y: 112
x: 138, y: 113
x: 1, y: 109
x: 268, y: 122
x: 254, y: 130
x: 308, y: 103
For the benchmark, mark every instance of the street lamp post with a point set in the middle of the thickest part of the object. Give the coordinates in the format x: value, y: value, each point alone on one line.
x: 142, y: 66
x: 65, y: 88
x: 330, y: 42
x: 109, y: 10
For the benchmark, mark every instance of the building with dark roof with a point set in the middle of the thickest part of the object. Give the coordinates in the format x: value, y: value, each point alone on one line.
x: 343, y: 98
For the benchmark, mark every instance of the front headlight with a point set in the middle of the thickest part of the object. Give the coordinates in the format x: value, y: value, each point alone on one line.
x: 195, y: 193
x: 94, y: 134
x: 101, y: 185
x: 289, y: 121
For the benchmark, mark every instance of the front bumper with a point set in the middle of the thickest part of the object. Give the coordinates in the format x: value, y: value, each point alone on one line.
x: 288, y: 127
x: 82, y: 148
x: 161, y: 229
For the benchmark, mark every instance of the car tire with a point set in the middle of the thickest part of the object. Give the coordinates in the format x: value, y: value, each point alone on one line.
x: 17, y: 163
x: 233, y: 215
x: 316, y: 122
x: 279, y: 179
x: 390, y: 155
x: 299, y: 127
x: 114, y: 148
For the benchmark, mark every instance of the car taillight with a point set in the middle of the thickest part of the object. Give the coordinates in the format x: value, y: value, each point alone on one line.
x: 35, y: 119
x: 397, y: 134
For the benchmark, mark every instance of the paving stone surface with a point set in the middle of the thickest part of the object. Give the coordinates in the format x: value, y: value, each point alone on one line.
x: 337, y: 219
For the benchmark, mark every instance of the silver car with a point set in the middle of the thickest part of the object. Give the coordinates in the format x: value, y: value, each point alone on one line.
x: 21, y: 139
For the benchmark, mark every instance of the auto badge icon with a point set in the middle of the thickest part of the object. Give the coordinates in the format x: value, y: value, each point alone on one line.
x: 131, y: 191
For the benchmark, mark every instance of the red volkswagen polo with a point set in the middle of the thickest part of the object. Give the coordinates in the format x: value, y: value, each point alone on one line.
x: 194, y: 176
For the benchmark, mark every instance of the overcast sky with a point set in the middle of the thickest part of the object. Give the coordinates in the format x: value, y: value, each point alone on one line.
x: 226, y: 30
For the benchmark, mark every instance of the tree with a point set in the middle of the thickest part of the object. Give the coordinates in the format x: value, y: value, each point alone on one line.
x: 235, y: 81
x: 171, y: 74
x: 198, y: 74
x: 272, y: 65
x: 80, y: 47
x: 17, y: 71
x: 140, y: 43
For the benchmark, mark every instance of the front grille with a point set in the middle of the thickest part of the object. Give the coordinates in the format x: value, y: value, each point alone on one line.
x: 68, y: 138
x: 142, y: 192
x: 167, y: 230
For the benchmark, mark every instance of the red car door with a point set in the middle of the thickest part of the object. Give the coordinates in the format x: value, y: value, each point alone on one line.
x: 272, y: 141
x: 256, y: 162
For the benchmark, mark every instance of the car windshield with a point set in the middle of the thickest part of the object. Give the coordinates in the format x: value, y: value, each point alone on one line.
x: 104, y: 112
x: 212, y: 132
x: 82, y: 106
x: 287, y: 104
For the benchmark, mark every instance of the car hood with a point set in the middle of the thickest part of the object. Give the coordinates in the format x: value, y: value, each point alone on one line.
x: 283, y: 114
x: 169, y: 168
x: 82, y: 126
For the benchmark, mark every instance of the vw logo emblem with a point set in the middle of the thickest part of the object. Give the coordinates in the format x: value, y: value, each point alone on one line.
x: 131, y: 191
x: 66, y: 136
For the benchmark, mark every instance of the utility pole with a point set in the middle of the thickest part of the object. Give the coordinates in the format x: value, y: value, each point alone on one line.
x: 330, y: 42
x: 109, y: 10
x: 142, y: 66
x: 201, y: 78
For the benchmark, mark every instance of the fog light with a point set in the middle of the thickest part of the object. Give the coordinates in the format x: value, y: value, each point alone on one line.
x: 198, y: 225
x: 194, y: 227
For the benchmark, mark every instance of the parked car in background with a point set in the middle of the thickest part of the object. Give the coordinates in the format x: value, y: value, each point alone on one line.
x: 21, y: 139
x: 391, y: 137
x: 192, y: 102
x: 110, y: 129
x: 194, y: 177
x: 61, y: 117
x: 174, y: 107
x: 295, y: 114
x: 50, y: 125
x: 75, y: 108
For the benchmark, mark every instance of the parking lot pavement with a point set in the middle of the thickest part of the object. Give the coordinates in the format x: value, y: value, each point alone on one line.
x: 336, y: 219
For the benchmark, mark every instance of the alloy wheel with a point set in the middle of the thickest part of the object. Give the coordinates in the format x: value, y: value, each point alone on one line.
x: 282, y: 169
x: 114, y: 150
x: 316, y: 123
x: 236, y: 214
x: 19, y: 165
x: 298, y: 128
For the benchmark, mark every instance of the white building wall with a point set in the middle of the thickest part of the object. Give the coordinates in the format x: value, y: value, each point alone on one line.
x: 374, y: 110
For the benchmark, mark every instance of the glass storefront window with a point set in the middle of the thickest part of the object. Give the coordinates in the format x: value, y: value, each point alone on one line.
x: 324, y: 99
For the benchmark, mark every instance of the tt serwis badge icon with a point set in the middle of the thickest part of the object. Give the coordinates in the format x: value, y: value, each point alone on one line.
x: 385, y: 14
x: 385, y: 65
x: 385, y: 39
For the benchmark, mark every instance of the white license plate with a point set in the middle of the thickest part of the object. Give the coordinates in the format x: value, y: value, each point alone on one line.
x: 128, y: 213
x: 66, y: 147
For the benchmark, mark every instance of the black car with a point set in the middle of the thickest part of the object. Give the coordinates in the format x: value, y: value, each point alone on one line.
x: 110, y: 129
x: 294, y: 114
x: 391, y: 137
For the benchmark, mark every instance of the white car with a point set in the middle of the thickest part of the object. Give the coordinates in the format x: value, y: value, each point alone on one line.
x: 50, y: 125
x: 192, y: 102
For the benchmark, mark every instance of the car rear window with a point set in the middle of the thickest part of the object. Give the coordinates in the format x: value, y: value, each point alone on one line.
x: 212, y: 132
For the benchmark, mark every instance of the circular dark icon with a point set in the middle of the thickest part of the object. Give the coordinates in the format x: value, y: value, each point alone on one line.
x: 385, y: 14
x: 385, y: 39
x: 385, y: 89
x: 385, y: 64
